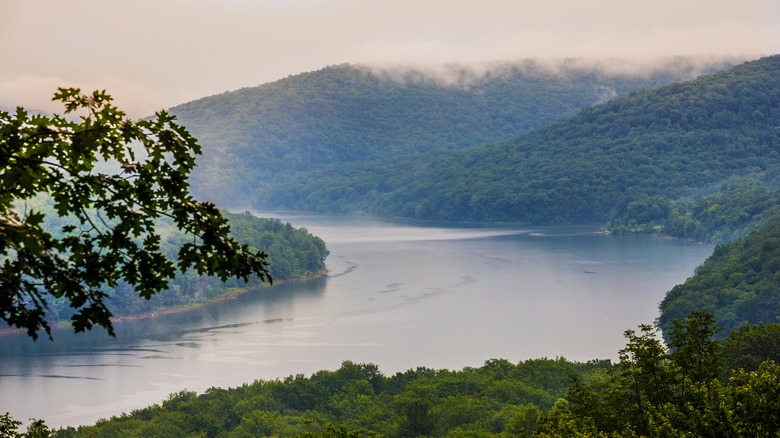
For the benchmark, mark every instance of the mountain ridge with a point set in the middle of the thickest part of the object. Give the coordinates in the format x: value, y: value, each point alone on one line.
x: 681, y: 140
x: 257, y: 136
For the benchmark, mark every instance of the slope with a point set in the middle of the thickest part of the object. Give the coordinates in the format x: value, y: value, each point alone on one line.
x: 677, y: 141
x: 344, y: 114
x: 738, y: 283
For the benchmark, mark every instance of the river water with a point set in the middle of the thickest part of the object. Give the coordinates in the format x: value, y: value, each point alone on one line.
x: 398, y: 295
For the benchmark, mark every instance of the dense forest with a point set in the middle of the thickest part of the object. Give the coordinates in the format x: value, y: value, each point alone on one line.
x: 343, y: 114
x: 292, y: 253
x: 732, y: 213
x: 738, y: 283
x: 693, y: 385
x: 674, y: 145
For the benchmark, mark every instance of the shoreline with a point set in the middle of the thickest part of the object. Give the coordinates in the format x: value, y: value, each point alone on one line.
x: 665, y: 236
x: 229, y: 294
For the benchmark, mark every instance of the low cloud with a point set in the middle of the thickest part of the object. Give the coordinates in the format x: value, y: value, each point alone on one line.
x: 722, y: 39
x: 151, y: 54
x: 470, y: 74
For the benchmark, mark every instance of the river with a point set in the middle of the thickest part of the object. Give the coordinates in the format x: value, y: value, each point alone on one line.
x: 398, y: 295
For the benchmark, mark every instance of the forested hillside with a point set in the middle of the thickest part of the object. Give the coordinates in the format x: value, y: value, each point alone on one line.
x: 292, y: 253
x: 739, y: 282
x: 679, y: 142
x: 730, y: 214
x: 344, y: 114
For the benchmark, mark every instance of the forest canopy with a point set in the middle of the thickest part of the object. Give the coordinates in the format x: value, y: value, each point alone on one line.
x: 732, y: 213
x: 280, y: 131
x: 674, y: 145
x: 690, y: 386
x: 739, y: 283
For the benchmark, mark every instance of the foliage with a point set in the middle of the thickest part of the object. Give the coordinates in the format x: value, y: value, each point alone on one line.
x: 730, y: 214
x: 291, y: 252
x: 676, y: 142
x: 655, y: 390
x: 675, y: 392
x: 749, y: 345
x: 8, y: 426
x: 36, y: 429
x: 114, y: 235
x: 739, y: 283
x: 347, y: 114
x: 757, y: 400
x: 499, y: 398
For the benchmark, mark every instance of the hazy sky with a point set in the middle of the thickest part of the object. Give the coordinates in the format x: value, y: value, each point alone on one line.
x: 152, y: 54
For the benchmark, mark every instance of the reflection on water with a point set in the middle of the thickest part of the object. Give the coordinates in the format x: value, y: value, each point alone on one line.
x: 169, y: 327
x: 397, y: 295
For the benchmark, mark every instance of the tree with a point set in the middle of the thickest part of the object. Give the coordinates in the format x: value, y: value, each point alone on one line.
x: 36, y: 428
x: 756, y: 400
x: 8, y: 426
x: 750, y: 345
x: 693, y: 349
x: 654, y: 389
x: 643, y: 369
x: 416, y: 420
x: 113, y: 178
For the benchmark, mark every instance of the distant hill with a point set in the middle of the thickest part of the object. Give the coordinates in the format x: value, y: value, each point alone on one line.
x: 342, y: 114
x: 679, y: 141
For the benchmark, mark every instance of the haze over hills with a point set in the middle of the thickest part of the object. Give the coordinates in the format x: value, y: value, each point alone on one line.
x: 680, y: 141
x: 278, y: 131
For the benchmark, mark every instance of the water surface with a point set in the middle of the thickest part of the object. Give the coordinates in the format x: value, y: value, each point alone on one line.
x: 397, y: 295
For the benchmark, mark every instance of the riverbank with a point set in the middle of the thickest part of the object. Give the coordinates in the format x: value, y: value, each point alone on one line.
x: 229, y: 294
x: 661, y: 236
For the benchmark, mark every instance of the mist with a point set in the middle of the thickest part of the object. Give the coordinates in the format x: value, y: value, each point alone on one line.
x: 464, y: 75
x: 151, y: 55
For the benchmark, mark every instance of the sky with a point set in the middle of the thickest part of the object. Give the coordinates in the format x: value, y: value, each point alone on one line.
x: 154, y: 54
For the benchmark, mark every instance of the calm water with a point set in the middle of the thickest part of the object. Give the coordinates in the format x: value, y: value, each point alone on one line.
x: 398, y: 295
